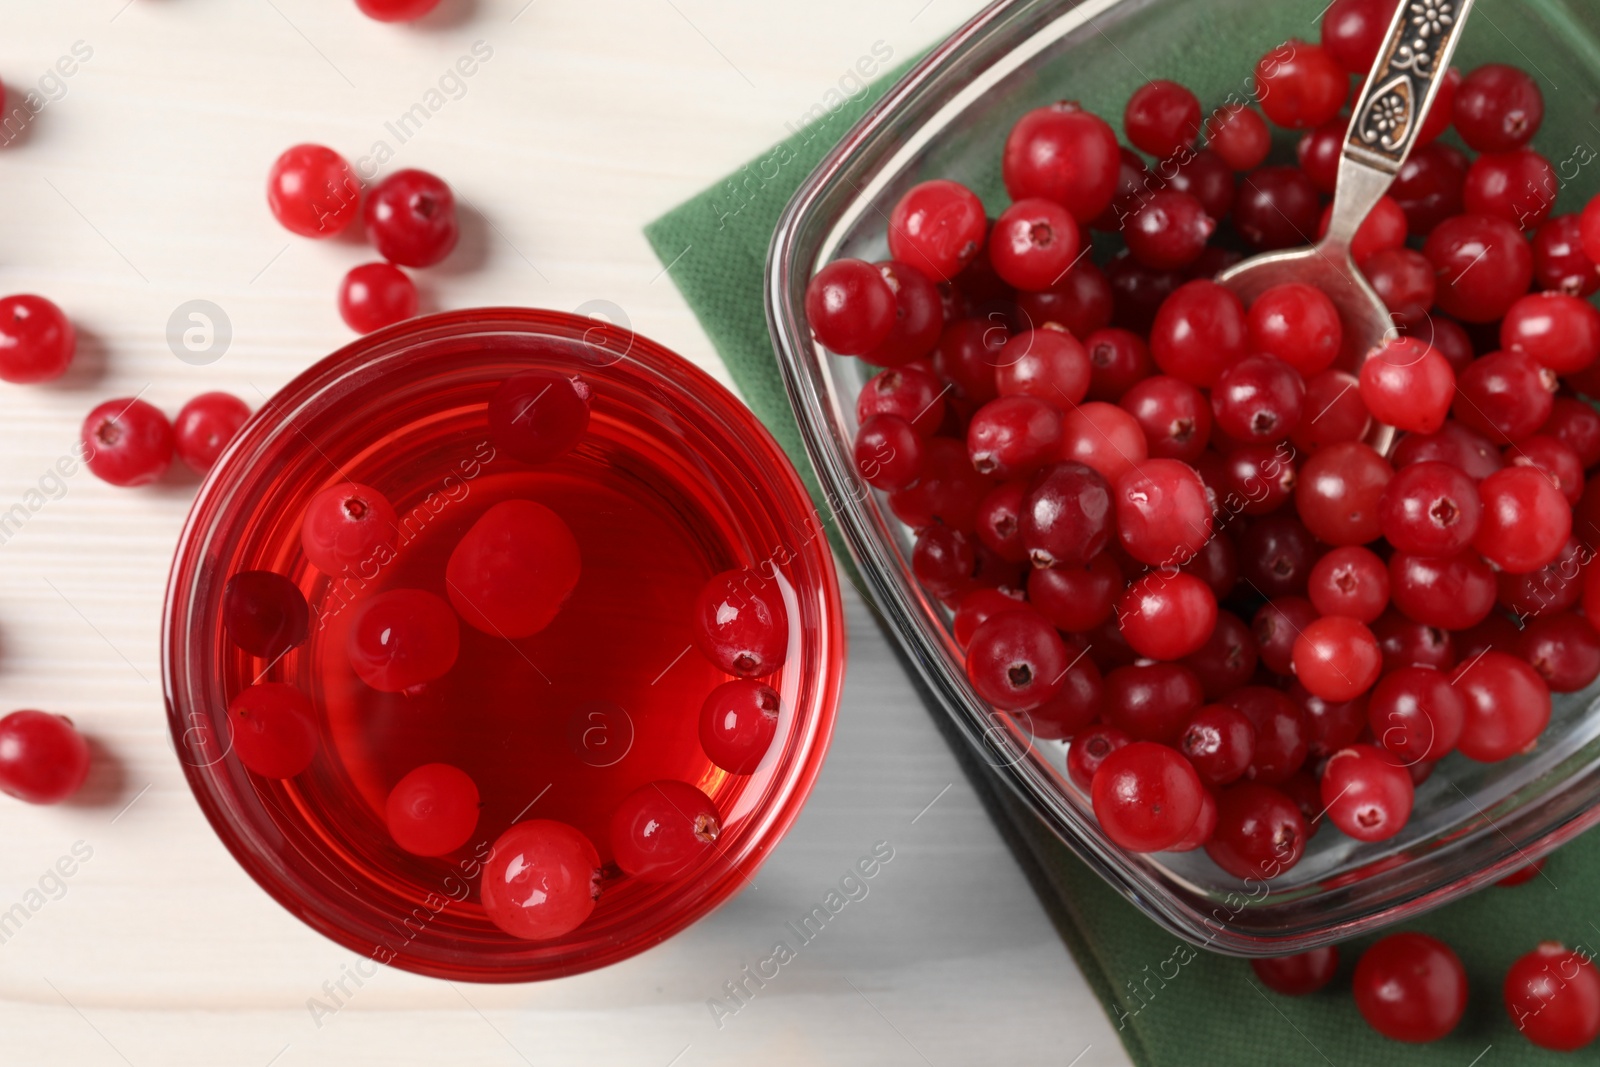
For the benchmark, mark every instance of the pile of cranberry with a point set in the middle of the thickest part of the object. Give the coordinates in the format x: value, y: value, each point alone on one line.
x: 1155, y: 511
x: 508, y: 576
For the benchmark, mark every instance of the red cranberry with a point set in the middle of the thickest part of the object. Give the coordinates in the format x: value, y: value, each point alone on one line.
x: 265, y: 613
x: 43, y: 760
x: 1167, y: 616
x: 1117, y: 360
x: 1298, y: 324
x: 949, y: 490
x: 1519, y: 186
x: 919, y: 317
x: 127, y: 442
x: 541, y: 880
x: 537, y: 416
x: 1239, y: 135
x: 1220, y: 743
x: 938, y: 227
x: 1429, y: 187
x: 1300, y: 85
x: 1351, y: 581
x: 1367, y: 794
x: 1403, y: 279
x: 349, y: 526
x: 737, y: 724
x: 1174, y: 415
x: 1199, y: 331
x: 1441, y: 112
x: 1417, y: 714
x: 1152, y: 701
x: 1498, y: 108
x: 1337, y: 658
x: 1319, y: 151
x: 1260, y: 832
x: 1554, y: 459
x: 1555, y: 587
x: 1146, y: 797
x: 1333, y: 412
x: 850, y: 307
x: 1228, y: 658
x: 1276, y: 626
x: 411, y: 219
x: 1258, y: 400
x: 1016, y: 660
x: 662, y: 829
x: 1408, y: 385
x: 204, y: 427
x: 1558, y: 331
x: 1461, y: 447
x: 1013, y: 435
x: 1352, y: 33
x: 1338, y: 493
x: 1525, y: 522
x: 403, y: 638
x: 1303, y: 973
x: 1278, y: 207
x: 1276, y: 554
x: 1206, y: 177
x: 1080, y: 302
x: 1431, y: 509
x: 1558, y: 260
x: 1507, y: 704
x: 1383, y: 230
x: 312, y: 191
x: 1553, y: 996
x: 1282, y: 735
x: 1103, y: 437
x: 1064, y: 154
x: 1034, y: 243
x: 1482, y: 265
x: 1162, y: 118
x: 1410, y: 987
x: 1412, y: 644
x: 1067, y: 516
x: 1163, y: 516
x: 740, y: 623
x: 1089, y: 750
x: 1330, y: 725
x: 1075, y: 708
x: 909, y: 393
x: 396, y: 10
x: 978, y: 606
x: 274, y: 729
x: 513, y: 569
x: 1452, y: 592
x: 432, y: 810
x: 888, y: 452
x: 37, y: 340
x: 375, y: 295
x: 1000, y: 522
x: 1169, y: 231
x: 1564, y: 648
x: 944, y: 561
x: 1076, y: 597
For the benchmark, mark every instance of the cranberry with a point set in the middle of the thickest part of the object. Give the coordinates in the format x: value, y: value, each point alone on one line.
x: 1452, y: 592
x: 1555, y: 587
x: 1169, y: 231
x: 432, y: 810
x: 127, y: 442
x: 1461, y: 447
x: 1137, y: 291
x: 1173, y: 414
x: 312, y: 191
x: 1282, y: 735
x: 1431, y: 509
x: 1576, y: 425
x: 1016, y: 660
x: 1276, y: 627
x: 938, y: 227
x: 1564, y: 648
x: 1558, y: 331
x: 37, y: 340
x: 740, y: 623
x: 1383, y: 230
x: 1403, y: 279
x: 1259, y: 479
x: 1482, y: 265
x: 1558, y: 260
x: 1000, y: 522
x: 1076, y: 597
x: 1117, y: 359
x: 513, y: 569
x: 375, y: 295
x: 1495, y: 631
x: 1167, y: 616
x: 1298, y: 324
x: 908, y: 393
x: 411, y: 219
x: 1258, y: 399
x: 1162, y: 118
x: 204, y: 427
x: 1080, y: 302
x: 850, y: 307
x: 1013, y: 435
x: 1152, y: 701
x: 1276, y: 554
x: 274, y: 729
x: 1228, y: 658
x: 1199, y: 331
x: 537, y: 416
x: 1333, y: 412
x: 1416, y: 713
x: 1429, y: 187
x: 43, y: 760
x: 396, y: 10
x: 1260, y: 832
x: 1075, y: 708
x: 1278, y: 207
x: 1319, y: 151
x: 1553, y: 996
x: 1498, y: 108
x: 737, y: 724
x: 1135, y: 182
x: 1330, y: 725
x: 949, y: 490
x: 1163, y: 516
x: 1300, y: 85
x: 662, y: 829
x: 1441, y: 112
x: 1526, y: 520
x: 1410, y: 987
x: 1589, y: 230
x: 265, y: 613
x: 1089, y: 750
x: 1350, y: 581
x: 1367, y: 795
x: 919, y: 318
x: 1303, y: 973
x: 1239, y: 135
x: 1552, y: 458
x: 944, y: 561
x: 1146, y: 796
x: 1352, y: 33
x: 1337, y: 658
x: 1522, y: 875
x: 403, y: 638
x: 1507, y: 702
x: 1034, y: 243
x: 1067, y: 516
x: 1406, y: 643
x: 1519, y: 186
x: 1103, y: 437
x: 1205, y: 824
x: 1408, y: 385
x: 349, y: 526
x: 1338, y: 493
x: 1064, y: 154
x: 541, y: 880
x: 1220, y: 743
x: 888, y: 452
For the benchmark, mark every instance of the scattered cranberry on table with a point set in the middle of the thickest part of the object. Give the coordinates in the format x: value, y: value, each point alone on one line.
x: 411, y: 218
x: 1410, y: 987
x: 128, y: 442
x: 375, y: 295
x: 396, y: 10
x: 204, y: 427
x: 37, y: 340
x: 43, y: 759
x: 312, y: 191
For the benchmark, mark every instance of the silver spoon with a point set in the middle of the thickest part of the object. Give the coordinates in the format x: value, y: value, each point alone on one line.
x: 1384, y: 124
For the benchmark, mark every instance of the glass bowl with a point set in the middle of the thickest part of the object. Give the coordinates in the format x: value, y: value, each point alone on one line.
x: 948, y: 118
x: 680, y: 468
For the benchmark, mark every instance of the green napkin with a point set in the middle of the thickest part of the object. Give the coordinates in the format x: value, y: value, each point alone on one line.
x: 1170, y: 1004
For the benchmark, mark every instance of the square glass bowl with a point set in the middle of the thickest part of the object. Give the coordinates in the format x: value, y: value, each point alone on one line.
x: 948, y: 118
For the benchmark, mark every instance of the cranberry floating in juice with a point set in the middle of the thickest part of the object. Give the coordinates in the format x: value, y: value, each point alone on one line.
x: 515, y: 623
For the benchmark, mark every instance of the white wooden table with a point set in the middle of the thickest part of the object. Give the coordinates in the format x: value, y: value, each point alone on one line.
x: 139, y: 186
